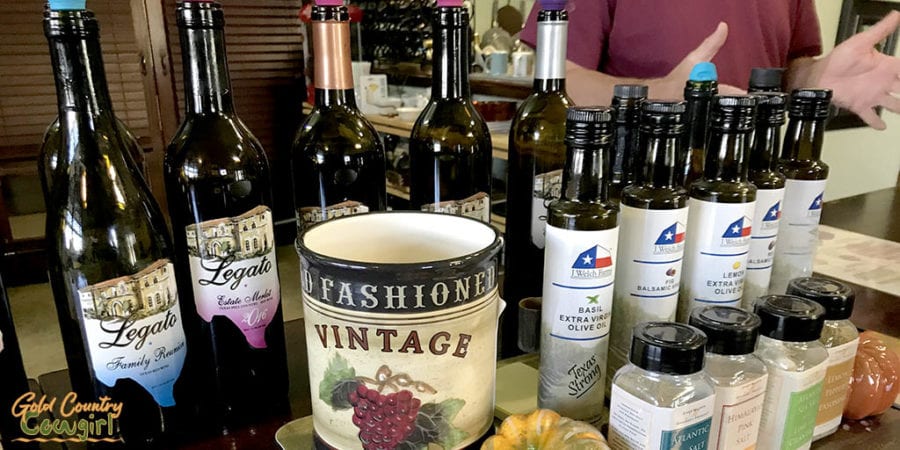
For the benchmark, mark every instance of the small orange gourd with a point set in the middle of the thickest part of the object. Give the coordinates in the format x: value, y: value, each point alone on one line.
x: 876, y: 378
x: 545, y: 429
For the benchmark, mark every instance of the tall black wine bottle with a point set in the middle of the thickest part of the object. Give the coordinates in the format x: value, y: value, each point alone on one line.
x: 699, y: 90
x: 537, y: 154
x: 13, y: 381
x: 109, y: 252
x: 337, y: 157
x: 450, y: 144
x: 626, y: 158
x: 220, y: 199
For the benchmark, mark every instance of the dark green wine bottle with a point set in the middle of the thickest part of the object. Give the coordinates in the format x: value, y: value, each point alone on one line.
x: 769, y: 184
x: 804, y: 188
x: 652, y: 219
x: 698, y: 92
x: 721, y: 206
x: 220, y: 200
x: 338, y: 160
x: 537, y: 154
x: 450, y: 145
x: 626, y: 160
x: 109, y: 253
x: 579, y: 267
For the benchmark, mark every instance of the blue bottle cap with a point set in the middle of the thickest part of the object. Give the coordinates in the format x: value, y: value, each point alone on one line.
x: 62, y: 5
x: 704, y: 71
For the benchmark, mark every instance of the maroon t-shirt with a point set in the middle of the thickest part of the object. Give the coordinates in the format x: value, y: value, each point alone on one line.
x: 647, y: 38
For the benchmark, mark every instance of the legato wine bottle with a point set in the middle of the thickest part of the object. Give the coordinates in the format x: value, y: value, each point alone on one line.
x: 337, y: 157
x: 699, y: 90
x: 220, y: 199
x: 537, y: 154
x: 109, y: 253
x: 626, y: 158
x: 721, y: 207
x: 450, y: 144
x: 652, y: 219
x: 582, y: 236
x: 13, y: 381
x: 806, y: 175
x: 769, y: 184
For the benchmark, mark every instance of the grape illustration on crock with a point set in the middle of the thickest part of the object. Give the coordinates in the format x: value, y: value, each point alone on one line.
x: 387, y: 409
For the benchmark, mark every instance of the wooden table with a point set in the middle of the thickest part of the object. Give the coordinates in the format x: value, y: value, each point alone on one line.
x: 874, y: 310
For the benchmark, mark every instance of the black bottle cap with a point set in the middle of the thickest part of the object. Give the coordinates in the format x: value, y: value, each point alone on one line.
x: 836, y: 297
x: 729, y: 330
x: 663, y: 117
x: 771, y: 107
x: 733, y: 112
x: 664, y: 107
x: 199, y: 15
x: 790, y: 318
x: 668, y: 347
x: 589, y: 125
x: 639, y: 91
x: 810, y: 103
x: 766, y: 78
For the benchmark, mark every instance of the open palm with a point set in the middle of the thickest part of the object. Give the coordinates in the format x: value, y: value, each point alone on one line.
x: 861, y: 76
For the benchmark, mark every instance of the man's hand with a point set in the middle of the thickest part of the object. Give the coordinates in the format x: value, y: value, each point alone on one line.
x: 861, y: 76
x: 673, y: 83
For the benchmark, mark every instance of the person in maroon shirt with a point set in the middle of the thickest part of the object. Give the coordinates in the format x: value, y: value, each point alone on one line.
x: 655, y: 42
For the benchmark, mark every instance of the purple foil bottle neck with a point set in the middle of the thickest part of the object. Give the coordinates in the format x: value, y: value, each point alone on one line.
x: 449, y: 3
x: 553, y: 5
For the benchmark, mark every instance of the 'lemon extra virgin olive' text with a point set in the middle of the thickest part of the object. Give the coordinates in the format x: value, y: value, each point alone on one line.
x: 389, y: 340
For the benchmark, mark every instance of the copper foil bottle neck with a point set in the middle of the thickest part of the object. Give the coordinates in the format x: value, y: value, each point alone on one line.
x: 331, y: 46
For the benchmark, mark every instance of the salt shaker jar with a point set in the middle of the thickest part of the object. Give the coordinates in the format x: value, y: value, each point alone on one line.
x: 739, y: 376
x: 789, y: 346
x: 840, y: 338
x: 662, y: 398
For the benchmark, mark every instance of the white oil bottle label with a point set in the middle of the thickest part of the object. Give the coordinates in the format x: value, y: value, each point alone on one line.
x: 133, y: 329
x: 579, y: 267
x: 737, y: 414
x: 836, y: 387
x: 763, y: 237
x: 790, y: 408
x: 798, y: 231
x: 547, y: 187
x: 715, y: 255
x: 648, y: 272
x: 637, y: 425
x: 234, y: 271
x: 477, y: 206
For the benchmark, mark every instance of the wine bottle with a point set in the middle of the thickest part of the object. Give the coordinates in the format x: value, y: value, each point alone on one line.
x: 537, y: 154
x: 699, y: 90
x: 652, y: 219
x: 109, y: 252
x: 337, y: 158
x: 13, y: 381
x: 765, y: 79
x: 769, y: 195
x: 450, y: 144
x: 220, y: 200
x: 804, y: 186
x: 579, y: 265
x: 720, y: 217
x: 626, y: 159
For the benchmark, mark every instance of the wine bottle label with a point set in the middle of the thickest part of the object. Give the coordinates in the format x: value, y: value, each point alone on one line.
x: 715, y: 255
x: 311, y: 215
x: 790, y: 408
x: 766, y: 218
x: 736, y: 415
x: 579, y: 268
x: 648, y: 273
x: 133, y: 329
x: 835, y: 387
x: 798, y: 231
x: 547, y: 187
x: 636, y: 424
x: 234, y: 272
x: 477, y: 206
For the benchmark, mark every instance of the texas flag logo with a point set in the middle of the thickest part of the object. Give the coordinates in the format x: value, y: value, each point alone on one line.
x: 774, y: 213
x: 671, y: 235
x: 594, y: 262
x: 816, y: 203
x: 738, y: 229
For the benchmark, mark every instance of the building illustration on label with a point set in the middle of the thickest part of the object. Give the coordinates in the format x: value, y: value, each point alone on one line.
x: 548, y: 186
x: 670, y: 240
x: 737, y: 234
x: 310, y: 215
x: 595, y: 262
x: 234, y: 273
x: 477, y: 206
x: 133, y: 329
x: 246, y: 236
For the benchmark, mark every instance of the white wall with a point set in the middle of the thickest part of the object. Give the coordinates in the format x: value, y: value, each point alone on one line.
x: 861, y: 159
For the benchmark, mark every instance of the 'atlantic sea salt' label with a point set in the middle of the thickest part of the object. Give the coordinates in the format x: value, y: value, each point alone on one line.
x: 133, y: 329
x: 234, y: 271
x: 635, y: 424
